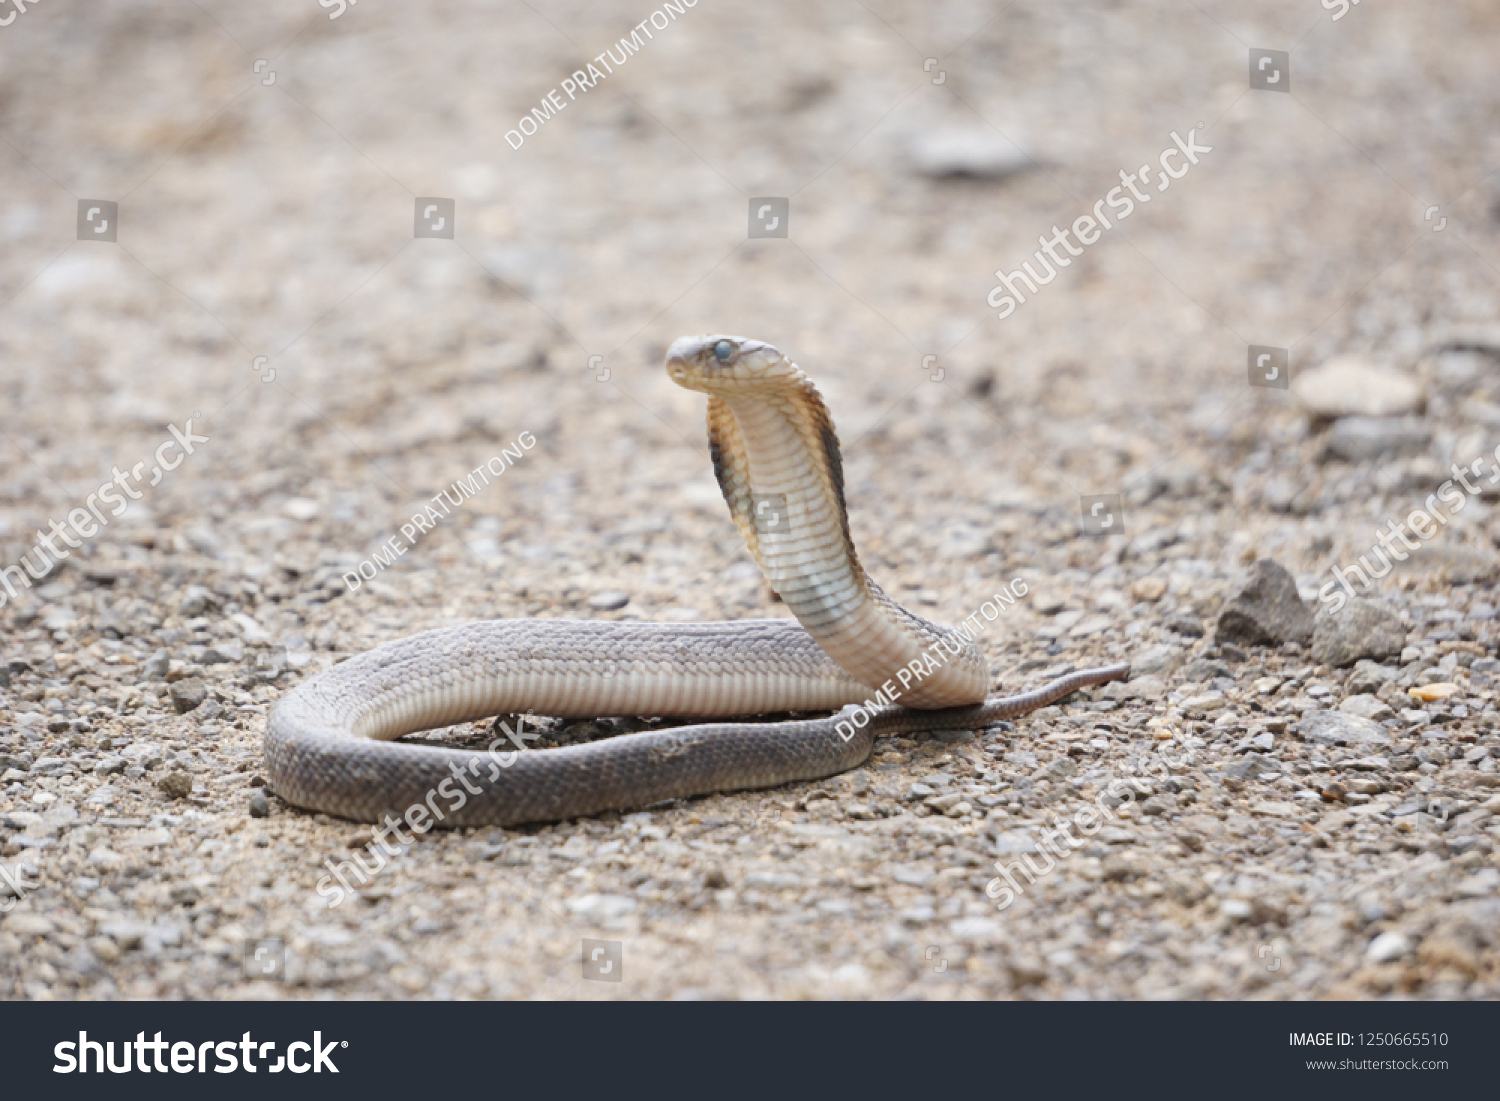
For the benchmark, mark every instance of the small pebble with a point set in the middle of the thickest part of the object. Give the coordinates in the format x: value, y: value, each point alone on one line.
x: 1235, y: 909
x: 1388, y: 947
x: 187, y: 694
x: 178, y: 785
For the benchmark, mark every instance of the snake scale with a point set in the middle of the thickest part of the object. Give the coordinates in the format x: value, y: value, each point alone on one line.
x: 330, y: 742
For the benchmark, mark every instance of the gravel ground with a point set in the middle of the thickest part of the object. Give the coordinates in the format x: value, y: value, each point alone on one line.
x: 1281, y: 806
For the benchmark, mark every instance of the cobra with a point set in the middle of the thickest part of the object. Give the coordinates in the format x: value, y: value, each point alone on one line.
x: 330, y: 743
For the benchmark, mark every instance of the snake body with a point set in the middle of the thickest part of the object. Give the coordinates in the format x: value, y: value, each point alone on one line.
x: 330, y: 742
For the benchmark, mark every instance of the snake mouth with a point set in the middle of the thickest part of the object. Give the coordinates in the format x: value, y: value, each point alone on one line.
x: 690, y: 358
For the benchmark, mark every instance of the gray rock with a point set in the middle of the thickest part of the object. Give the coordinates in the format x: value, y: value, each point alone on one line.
x: 786, y: 881
x: 1368, y: 676
x: 1361, y: 629
x: 1481, y: 884
x: 1048, y: 603
x: 1337, y: 728
x: 1267, y: 610
x: 1468, y: 336
x: 951, y: 737
x: 1458, y: 368
x: 195, y: 599
x: 1155, y: 659
x: 1251, y: 766
x: 230, y: 651
x: 1203, y: 670
x: 155, y: 667
x: 187, y: 694
x: 1363, y: 439
x: 161, y: 934
x: 1279, y: 493
x: 260, y: 806
x: 1014, y: 843
x: 1204, y: 704
x: 1147, y: 687
x: 1354, y: 386
x: 250, y: 629
x: 108, y: 766
x: 1118, y: 868
x: 1367, y: 707
x: 1186, y: 624
x: 1060, y: 769
x: 608, y: 601
x: 127, y: 933
x: 1457, y: 565
x: 145, y: 754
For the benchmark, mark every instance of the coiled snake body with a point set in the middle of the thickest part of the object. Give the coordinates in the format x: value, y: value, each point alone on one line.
x: 329, y: 743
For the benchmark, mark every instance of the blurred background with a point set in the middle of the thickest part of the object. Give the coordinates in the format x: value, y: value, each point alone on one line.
x: 270, y: 165
x: 266, y: 160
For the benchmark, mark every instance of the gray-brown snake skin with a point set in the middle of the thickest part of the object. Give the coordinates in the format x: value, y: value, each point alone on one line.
x: 329, y: 741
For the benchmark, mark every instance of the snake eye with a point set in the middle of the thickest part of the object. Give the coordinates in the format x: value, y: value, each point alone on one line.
x: 723, y: 350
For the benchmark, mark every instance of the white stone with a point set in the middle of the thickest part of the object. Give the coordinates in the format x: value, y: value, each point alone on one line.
x: 1388, y: 947
x: 1353, y: 386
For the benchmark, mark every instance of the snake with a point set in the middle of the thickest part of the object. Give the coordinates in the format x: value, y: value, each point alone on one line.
x: 849, y: 649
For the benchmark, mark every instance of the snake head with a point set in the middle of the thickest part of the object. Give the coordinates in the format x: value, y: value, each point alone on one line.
x: 729, y: 365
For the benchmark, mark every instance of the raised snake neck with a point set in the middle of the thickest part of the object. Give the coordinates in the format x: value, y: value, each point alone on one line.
x: 329, y: 741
